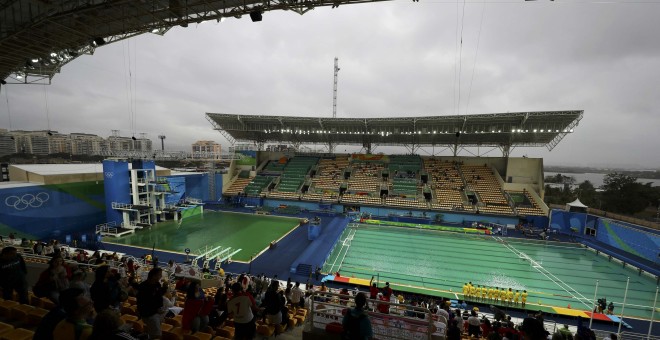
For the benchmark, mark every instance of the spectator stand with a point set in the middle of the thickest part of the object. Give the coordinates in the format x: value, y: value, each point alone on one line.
x: 402, y: 322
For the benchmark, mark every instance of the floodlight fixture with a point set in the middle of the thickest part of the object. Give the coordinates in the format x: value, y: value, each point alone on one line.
x: 255, y: 15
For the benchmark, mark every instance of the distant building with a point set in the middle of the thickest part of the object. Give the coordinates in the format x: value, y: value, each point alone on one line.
x: 86, y: 144
x: 206, y: 149
x: 44, y: 142
x: 7, y: 143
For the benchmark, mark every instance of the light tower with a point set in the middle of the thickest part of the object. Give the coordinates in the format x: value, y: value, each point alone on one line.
x: 162, y: 142
x: 334, y: 92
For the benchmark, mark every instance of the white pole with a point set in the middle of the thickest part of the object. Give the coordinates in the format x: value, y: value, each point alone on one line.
x: 625, y: 295
x: 595, y: 305
x: 648, y: 336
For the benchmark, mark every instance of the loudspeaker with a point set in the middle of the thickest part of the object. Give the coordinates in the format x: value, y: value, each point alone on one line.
x: 255, y: 16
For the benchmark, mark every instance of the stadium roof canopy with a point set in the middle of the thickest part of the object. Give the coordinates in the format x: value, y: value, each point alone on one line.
x: 504, y: 130
x: 37, y: 38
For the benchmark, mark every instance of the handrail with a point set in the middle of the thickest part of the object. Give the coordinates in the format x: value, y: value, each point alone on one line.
x: 328, y: 306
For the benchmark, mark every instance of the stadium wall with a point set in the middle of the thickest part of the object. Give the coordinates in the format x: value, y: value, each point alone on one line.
x: 301, y: 204
x: 447, y: 217
x: 631, y: 239
x: 197, y: 186
x: 52, y: 211
x: 116, y: 187
x: 526, y: 171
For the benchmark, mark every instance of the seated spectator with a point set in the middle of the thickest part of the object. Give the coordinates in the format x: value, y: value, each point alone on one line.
x: 78, y: 281
x: 474, y: 325
x: 108, y: 326
x: 78, y: 309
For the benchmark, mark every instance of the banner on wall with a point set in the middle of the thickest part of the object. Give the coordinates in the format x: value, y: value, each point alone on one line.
x: 246, y: 157
x: 177, y: 189
x: 568, y: 222
x: 369, y: 157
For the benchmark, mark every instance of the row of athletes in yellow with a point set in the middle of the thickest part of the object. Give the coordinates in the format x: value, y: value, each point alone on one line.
x: 484, y: 293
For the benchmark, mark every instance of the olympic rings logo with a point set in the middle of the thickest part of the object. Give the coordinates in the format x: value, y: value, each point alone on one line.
x: 27, y: 201
x: 109, y: 174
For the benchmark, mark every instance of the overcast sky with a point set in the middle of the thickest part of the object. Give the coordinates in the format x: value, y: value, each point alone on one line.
x: 397, y: 59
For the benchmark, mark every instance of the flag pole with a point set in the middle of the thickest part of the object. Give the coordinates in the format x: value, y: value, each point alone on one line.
x: 595, y: 305
x: 625, y: 295
x: 648, y: 336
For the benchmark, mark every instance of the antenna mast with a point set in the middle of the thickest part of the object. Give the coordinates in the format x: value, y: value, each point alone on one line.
x: 334, y: 92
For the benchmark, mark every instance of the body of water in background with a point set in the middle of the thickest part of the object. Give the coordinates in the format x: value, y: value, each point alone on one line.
x: 597, y: 179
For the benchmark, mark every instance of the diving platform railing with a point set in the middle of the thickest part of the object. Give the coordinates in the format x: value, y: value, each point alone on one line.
x: 111, y: 229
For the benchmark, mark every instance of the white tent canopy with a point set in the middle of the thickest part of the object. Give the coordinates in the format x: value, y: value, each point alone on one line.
x: 575, y: 205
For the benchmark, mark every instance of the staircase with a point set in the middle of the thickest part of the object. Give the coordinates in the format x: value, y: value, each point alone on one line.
x: 304, y: 270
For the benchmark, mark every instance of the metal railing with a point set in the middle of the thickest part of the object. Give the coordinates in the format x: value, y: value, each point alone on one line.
x: 402, y: 322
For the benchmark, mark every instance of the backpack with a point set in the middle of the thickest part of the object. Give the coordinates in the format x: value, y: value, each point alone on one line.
x: 352, y: 329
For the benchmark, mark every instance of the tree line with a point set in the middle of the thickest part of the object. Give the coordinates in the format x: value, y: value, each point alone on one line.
x: 620, y: 193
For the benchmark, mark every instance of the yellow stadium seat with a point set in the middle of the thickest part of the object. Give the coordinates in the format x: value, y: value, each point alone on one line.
x: 265, y: 330
x: 176, y: 321
x: 17, y: 334
x: 47, y: 304
x: 20, y: 312
x: 292, y: 321
x: 166, y: 327
x: 4, y: 328
x: 198, y: 336
x: 226, y: 331
x: 34, y: 316
x: 138, y: 325
x: 35, y: 301
x: 6, y: 307
x: 280, y: 328
x: 127, y: 310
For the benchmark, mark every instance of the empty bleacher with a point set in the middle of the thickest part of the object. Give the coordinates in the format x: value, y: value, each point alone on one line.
x: 481, y: 180
x: 330, y: 173
x: 525, y: 203
x: 447, y: 185
x: 365, y: 177
x: 361, y: 199
x: 294, y: 174
x: 257, y: 184
x: 238, y: 186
